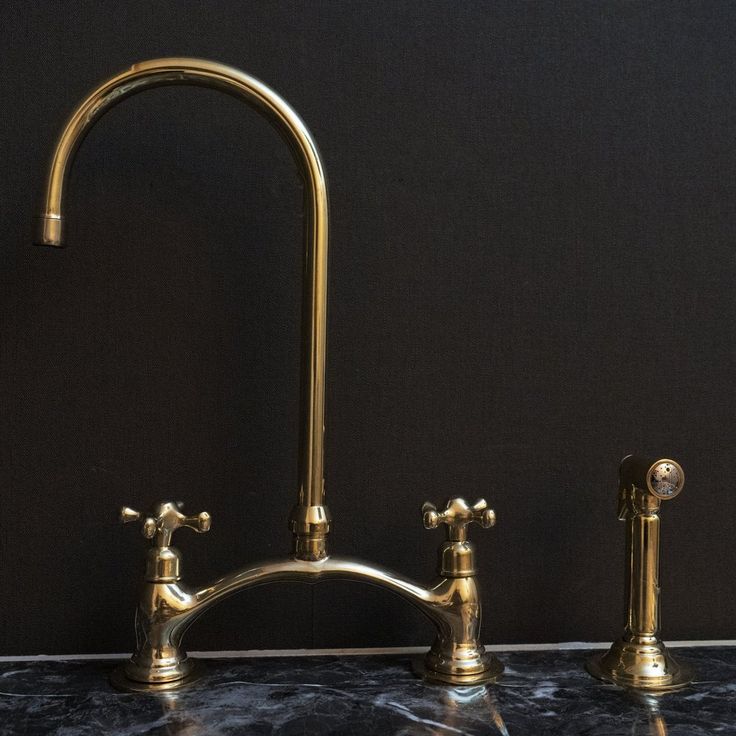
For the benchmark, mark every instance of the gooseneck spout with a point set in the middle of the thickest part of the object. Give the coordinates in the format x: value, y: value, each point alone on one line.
x: 309, y: 519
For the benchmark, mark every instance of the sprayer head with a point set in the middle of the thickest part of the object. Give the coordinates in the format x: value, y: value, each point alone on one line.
x: 663, y: 478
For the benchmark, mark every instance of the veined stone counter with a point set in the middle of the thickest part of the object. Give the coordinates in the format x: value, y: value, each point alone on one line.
x: 542, y: 692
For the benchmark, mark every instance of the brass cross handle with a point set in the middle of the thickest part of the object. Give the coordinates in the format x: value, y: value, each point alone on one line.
x: 457, y: 515
x: 164, y: 519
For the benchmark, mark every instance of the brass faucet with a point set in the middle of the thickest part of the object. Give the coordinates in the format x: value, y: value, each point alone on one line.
x: 167, y: 607
x: 639, y: 659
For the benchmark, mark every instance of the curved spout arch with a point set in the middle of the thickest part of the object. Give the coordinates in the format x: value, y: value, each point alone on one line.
x: 309, y: 519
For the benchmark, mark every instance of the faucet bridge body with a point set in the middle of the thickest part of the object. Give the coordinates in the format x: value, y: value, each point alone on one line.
x: 167, y: 608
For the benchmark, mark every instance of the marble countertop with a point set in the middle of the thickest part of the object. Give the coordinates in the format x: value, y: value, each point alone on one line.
x: 543, y: 692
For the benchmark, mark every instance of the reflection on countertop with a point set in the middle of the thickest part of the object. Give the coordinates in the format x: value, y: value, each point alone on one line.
x: 542, y: 692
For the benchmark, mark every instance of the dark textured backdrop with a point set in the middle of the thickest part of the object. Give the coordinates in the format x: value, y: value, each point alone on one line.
x: 531, y: 275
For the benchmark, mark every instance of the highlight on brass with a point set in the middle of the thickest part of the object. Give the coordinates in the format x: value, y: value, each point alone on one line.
x: 167, y: 607
x: 639, y: 659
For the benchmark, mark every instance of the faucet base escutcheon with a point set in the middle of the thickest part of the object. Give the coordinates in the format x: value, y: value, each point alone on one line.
x: 476, y: 668
x: 120, y: 679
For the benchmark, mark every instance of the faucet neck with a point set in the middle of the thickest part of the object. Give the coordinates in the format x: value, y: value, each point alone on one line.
x: 163, y: 565
x: 456, y: 559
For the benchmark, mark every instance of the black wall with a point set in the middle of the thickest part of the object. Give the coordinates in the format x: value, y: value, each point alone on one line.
x: 531, y: 275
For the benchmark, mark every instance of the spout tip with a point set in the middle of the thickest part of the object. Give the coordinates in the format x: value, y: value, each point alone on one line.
x: 49, y: 231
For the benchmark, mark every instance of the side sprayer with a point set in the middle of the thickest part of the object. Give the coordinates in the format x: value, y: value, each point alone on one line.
x: 639, y: 659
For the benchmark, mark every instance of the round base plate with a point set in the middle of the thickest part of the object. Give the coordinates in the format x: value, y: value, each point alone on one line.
x: 120, y: 681
x: 679, y: 679
x: 494, y: 671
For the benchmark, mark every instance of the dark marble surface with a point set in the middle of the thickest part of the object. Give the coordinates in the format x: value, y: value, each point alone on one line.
x: 540, y: 693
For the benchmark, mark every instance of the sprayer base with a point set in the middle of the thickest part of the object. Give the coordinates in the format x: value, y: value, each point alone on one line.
x: 640, y: 666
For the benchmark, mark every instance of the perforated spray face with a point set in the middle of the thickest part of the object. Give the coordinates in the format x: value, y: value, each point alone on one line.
x: 666, y: 479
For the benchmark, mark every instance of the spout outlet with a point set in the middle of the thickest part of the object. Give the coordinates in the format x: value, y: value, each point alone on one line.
x: 49, y: 231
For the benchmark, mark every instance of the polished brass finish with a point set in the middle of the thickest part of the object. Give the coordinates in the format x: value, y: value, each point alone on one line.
x: 456, y: 554
x: 639, y: 659
x: 163, y: 561
x: 167, y: 607
x: 310, y: 518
